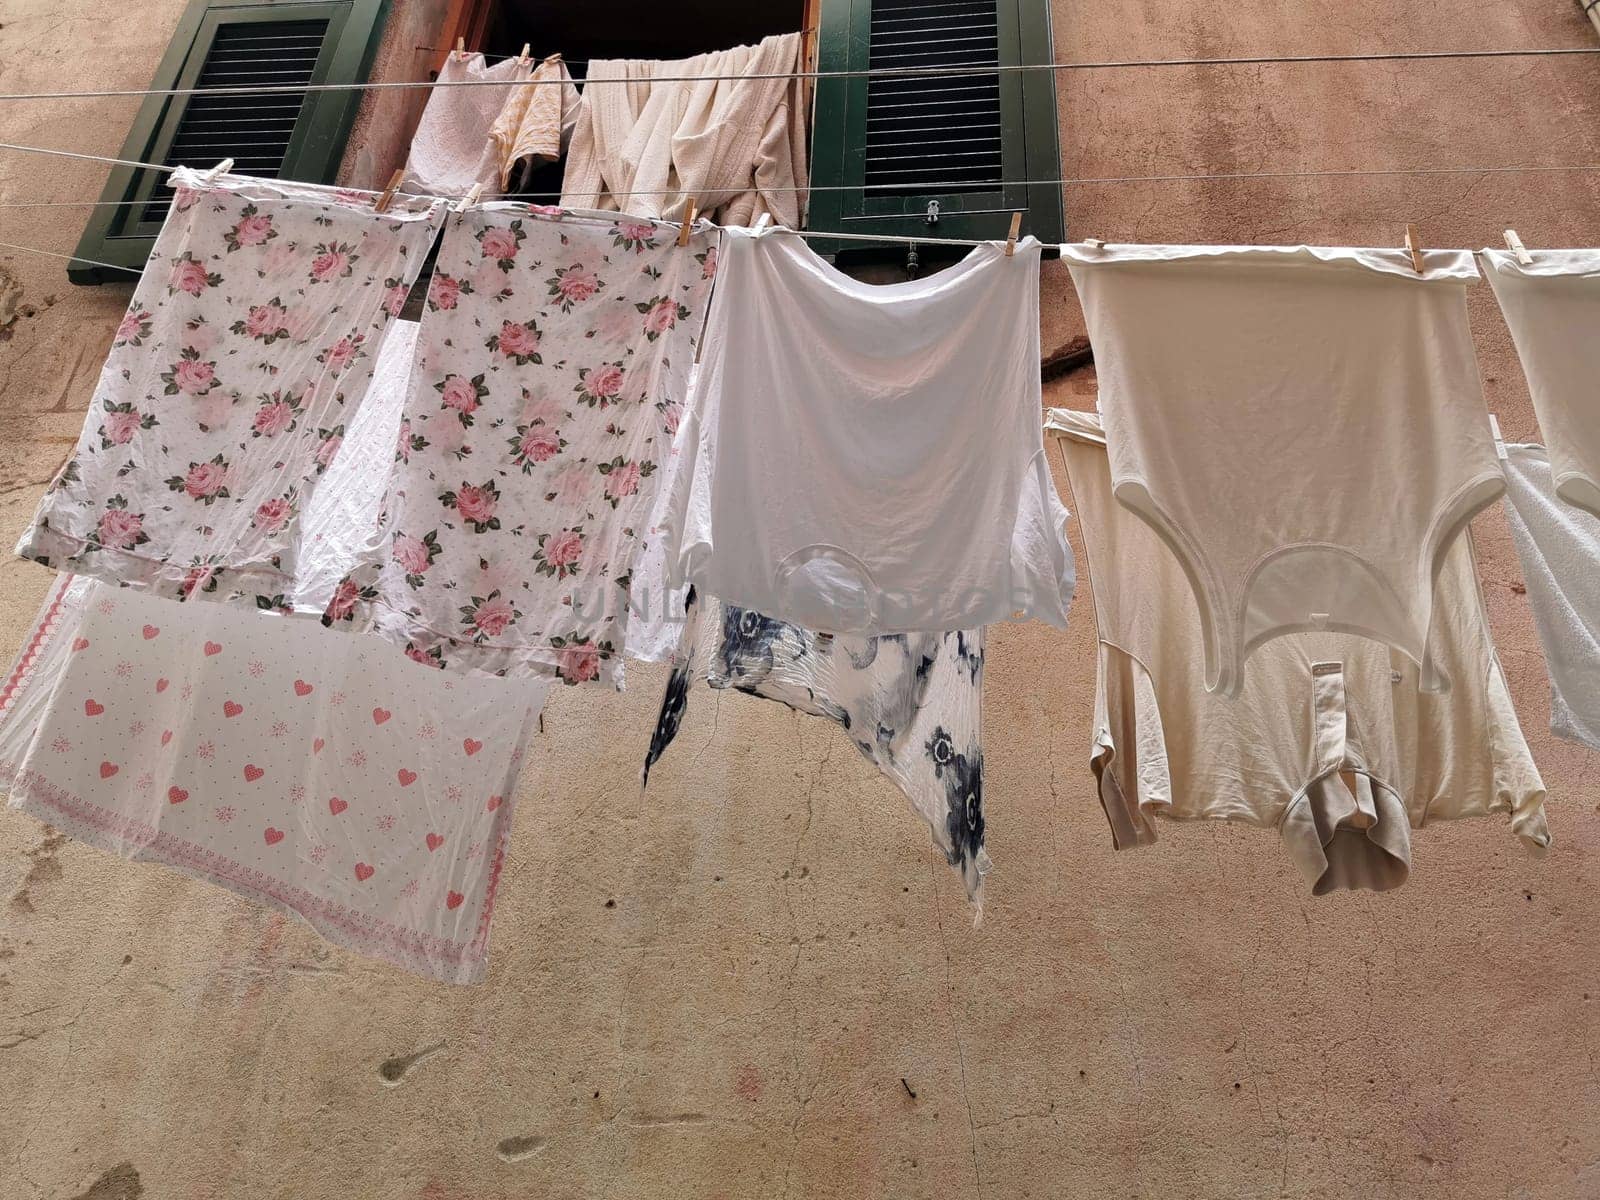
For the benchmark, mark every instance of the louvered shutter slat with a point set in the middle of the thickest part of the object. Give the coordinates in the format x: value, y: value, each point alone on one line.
x: 254, y: 131
x: 925, y: 133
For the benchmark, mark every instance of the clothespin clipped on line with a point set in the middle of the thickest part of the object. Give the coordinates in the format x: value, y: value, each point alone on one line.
x: 525, y: 57
x: 1414, y: 248
x: 763, y: 221
x: 1011, y: 238
x: 217, y: 172
x: 686, y: 226
x: 1095, y: 243
x: 1514, y: 244
x: 461, y: 49
x: 386, y: 197
x: 468, y: 200
x: 1499, y: 442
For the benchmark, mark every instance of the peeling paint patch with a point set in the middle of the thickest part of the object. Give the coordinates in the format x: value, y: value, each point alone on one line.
x: 516, y: 1149
x: 42, y: 868
x: 747, y: 1084
x: 394, y: 1070
x: 10, y: 298
x: 121, y: 1182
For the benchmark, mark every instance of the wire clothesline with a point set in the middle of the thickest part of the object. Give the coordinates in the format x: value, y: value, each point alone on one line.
x: 834, y: 235
x: 944, y: 71
x: 746, y: 185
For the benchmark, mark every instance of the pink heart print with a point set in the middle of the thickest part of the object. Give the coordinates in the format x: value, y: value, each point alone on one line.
x: 471, y: 746
x: 230, y: 709
x: 252, y: 772
x: 93, y: 708
x: 435, y: 841
x: 151, y: 631
x: 176, y: 794
x: 406, y: 778
x: 494, y: 803
x: 453, y: 899
x: 317, y: 745
x: 108, y: 769
x: 273, y: 836
x: 80, y: 643
x: 161, y: 686
x: 166, y: 736
x: 363, y: 872
x: 302, y: 688
x: 380, y: 715
x: 337, y: 806
x: 213, y: 648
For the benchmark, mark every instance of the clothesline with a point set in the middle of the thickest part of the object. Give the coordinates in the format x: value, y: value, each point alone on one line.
x: 1122, y: 64
x: 1064, y: 181
x: 941, y: 71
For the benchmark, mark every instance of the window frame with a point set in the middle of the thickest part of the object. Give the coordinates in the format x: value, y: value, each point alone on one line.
x: 116, y: 234
x: 1030, y: 147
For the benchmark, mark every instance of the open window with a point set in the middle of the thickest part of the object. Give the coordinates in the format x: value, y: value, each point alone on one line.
x: 617, y: 29
x: 291, y: 135
x: 948, y: 154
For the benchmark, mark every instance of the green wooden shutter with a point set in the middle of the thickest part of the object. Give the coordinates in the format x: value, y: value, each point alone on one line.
x: 234, y: 43
x: 884, y: 148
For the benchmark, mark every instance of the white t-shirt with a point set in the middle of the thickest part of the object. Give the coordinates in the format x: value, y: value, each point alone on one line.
x: 864, y: 458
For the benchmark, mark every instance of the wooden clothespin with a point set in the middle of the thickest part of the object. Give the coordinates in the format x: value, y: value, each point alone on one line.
x: 468, y: 200
x: 461, y: 49
x: 686, y: 227
x: 1096, y: 243
x: 1011, y: 237
x: 527, y: 54
x: 1414, y: 248
x: 1514, y: 244
x: 386, y: 197
x: 763, y: 221
x: 217, y: 172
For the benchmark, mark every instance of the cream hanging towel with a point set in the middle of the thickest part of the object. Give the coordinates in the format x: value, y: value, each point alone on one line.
x: 641, y: 146
x: 537, y: 120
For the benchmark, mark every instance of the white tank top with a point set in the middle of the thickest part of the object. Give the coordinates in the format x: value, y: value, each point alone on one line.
x: 864, y: 458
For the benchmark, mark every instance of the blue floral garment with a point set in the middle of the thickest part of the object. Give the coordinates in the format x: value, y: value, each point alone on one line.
x: 910, y: 702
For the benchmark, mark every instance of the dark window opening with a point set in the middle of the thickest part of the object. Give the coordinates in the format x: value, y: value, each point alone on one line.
x: 626, y: 29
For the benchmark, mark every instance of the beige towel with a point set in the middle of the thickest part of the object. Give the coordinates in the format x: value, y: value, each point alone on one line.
x: 537, y: 119
x: 733, y: 140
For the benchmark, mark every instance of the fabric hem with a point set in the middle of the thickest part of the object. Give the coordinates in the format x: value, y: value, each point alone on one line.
x: 421, y: 954
x: 223, y: 583
x: 373, y: 616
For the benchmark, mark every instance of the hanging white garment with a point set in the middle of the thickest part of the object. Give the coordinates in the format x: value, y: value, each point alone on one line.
x: 1303, y: 426
x: 451, y: 150
x: 341, y: 523
x: 732, y: 134
x: 1559, y: 548
x: 867, y: 459
x: 1553, y: 309
x: 1332, y: 742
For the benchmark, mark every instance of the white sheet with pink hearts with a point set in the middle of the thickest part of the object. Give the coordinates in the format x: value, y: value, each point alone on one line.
x: 318, y: 774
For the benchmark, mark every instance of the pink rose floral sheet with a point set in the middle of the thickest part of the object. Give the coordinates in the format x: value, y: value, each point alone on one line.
x: 551, y: 368
x: 316, y: 774
x: 243, y: 358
